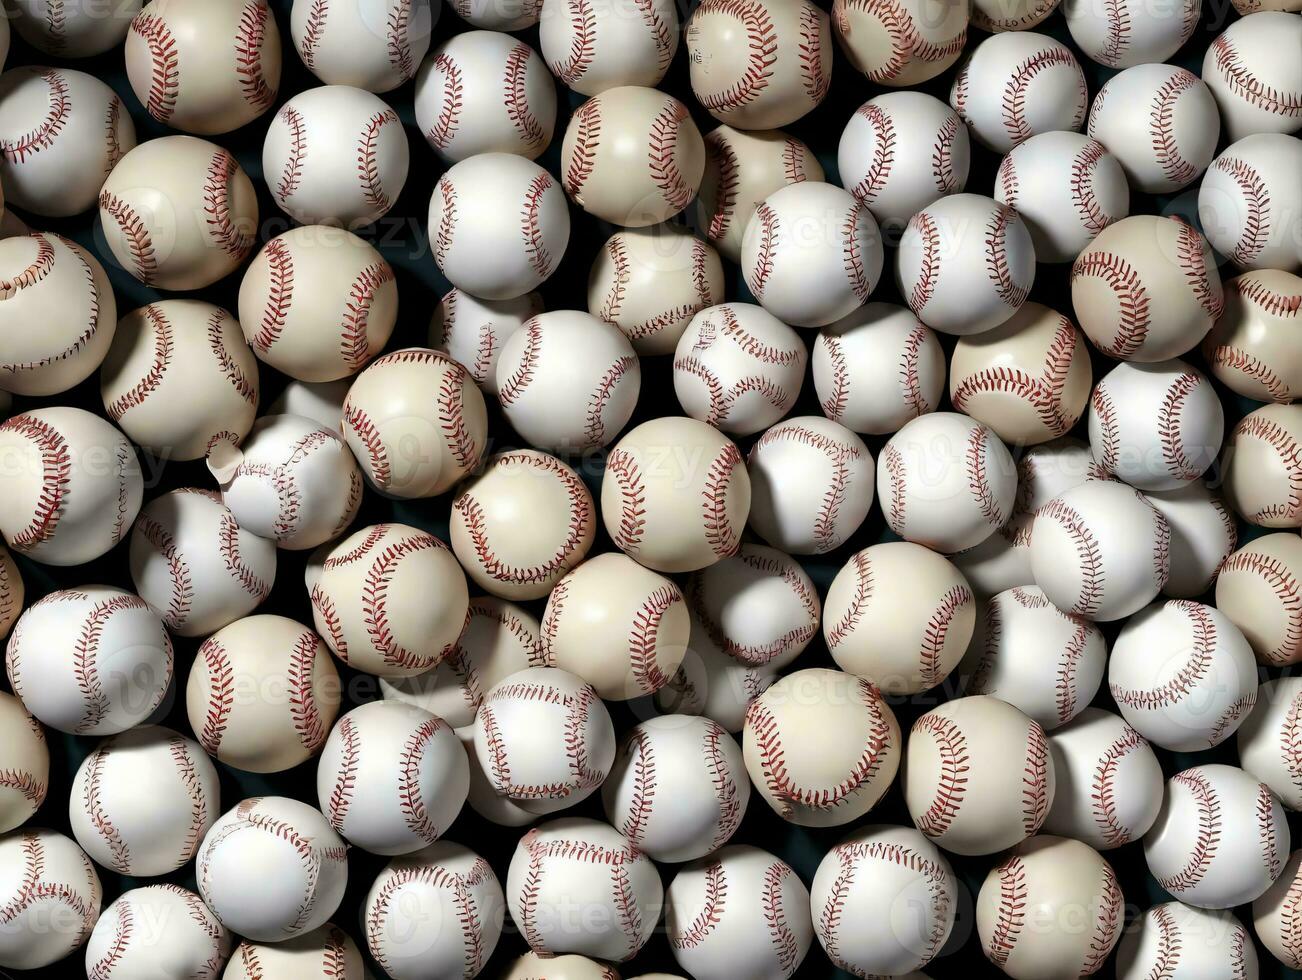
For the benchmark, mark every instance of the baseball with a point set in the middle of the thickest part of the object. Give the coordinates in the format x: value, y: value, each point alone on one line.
x: 580, y: 886
x: 994, y: 16
x: 1189, y: 852
x: 757, y: 65
x: 90, y: 661
x: 1248, y: 206
x: 594, y: 47
x: 739, y: 913
x: 675, y: 495
x: 678, y: 788
x: 504, y: 251
x: 877, y: 368
x: 408, y: 444
x: 483, y: 798
x: 498, y: 15
x: 389, y: 599
x: 62, y: 132
x: 52, y: 898
x: 965, y: 263
x: 324, y: 948
x: 812, y: 254
x: 178, y: 212
x: 650, y: 282
x: 433, y: 914
x: 320, y: 401
x: 742, y: 169
x: 531, y: 966
x: 901, y: 43
x: 24, y: 764
x: 713, y: 684
x: 632, y: 156
x: 1257, y: 588
x: 1066, y: 187
x: 392, y: 777
x: 1263, y: 466
x: 142, y: 800
x: 151, y: 931
x: 1017, y: 84
x: 78, y: 29
x: 901, y: 152
x: 568, y: 381
x: 271, y: 869
x: 946, y: 481
x: 1109, y: 785
x: 262, y: 694
x: 1267, y: 739
x: 292, y: 481
x: 883, y: 901
x: 821, y: 746
x: 1127, y: 33
x: 1273, y: 915
x: 472, y: 331
x: 1186, y: 942
x: 55, y: 282
x: 371, y: 44
x: 1255, y: 349
x: 1160, y: 123
x: 178, y: 377
x: 900, y: 616
x: 1062, y: 885
x: 11, y: 591
x: 963, y: 784
x: 1257, y: 87
x: 1203, y: 533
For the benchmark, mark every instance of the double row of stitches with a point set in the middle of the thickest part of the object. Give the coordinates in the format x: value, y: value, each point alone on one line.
x: 459, y: 888
x: 577, y: 716
x: 1279, y: 578
x: 1203, y: 641
x: 44, y: 133
x: 761, y: 53
x: 758, y: 654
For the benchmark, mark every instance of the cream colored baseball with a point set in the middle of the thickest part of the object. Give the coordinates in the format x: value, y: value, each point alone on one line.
x: 370, y: 44
x: 472, y: 331
x: 1257, y: 87
x: 900, y: 42
x: 1203, y: 534
x: 77, y: 29
x: 1266, y: 739
x: 531, y: 966
x: 498, y: 15
x: 320, y: 401
x: 12, y: 591
x: 1257, y: 588
x: 24, y: 762
x: 1249, y: 208
x: 995, y: 16
x: 152, y: 930
x: 592, y: 47
x: 1186, y: 941
x: 712, y: 683
x: 1254, y: 348
x: 1127, y: 33
x: 324, y: 948
x: 1263, y: 466
x: 1273, y: 915
x: 50, y: 880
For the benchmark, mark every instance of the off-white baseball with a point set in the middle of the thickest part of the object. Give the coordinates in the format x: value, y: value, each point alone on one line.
x: 1249, y: 207
x: 1255, y: 348
x: 473, y: 330
x: 1274, y: 916
x: 12, y: 591
x: 151, y: 931
x: 498, y: 15
x: 320, y: 401
x: 24, y: 764
x: 1263, y: 466
x: 1267, y: 739
x: 48, y: 880
x: 1257, y: 588
x: 712, y: 683
x: 321, y: 949
x: 900, y: 42
x: 592, y: 47
x: 1126, y: 33
x: 76, y: 29
x: 1186, y: 942
x: 531, y: 966
x: 1257, y: 86
x: 1203, y: 533
x: 371, y: 44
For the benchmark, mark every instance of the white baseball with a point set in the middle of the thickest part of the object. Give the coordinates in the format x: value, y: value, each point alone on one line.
x: 1220, y: 838
x: 52, y: 898
x: 1267, y: 739
x: 1257, y: 588
x: 498, y: 15
x: 995, y: 16
x: 740, y: 913
x: 1203, y: 534
x: 1110, y: 783
x: 1255, y: 349
x: 1274, y: 916
x: 1263, y: 466
x: 883, y: 901
x: 877, y: 368
x: 1257, y: 86
x: 592, y: 47
x: 320, y: 401
x: 12, y: 591
x: 1185, y: 942
x: 978, y: 777
x: 505, y: 251
x: 77, y: 29
x: 1126, y: 33
x: 472, y: 331
x: 712, y: 683
x: 532, y: 966
x: 1249, y: 207
x: 271, y: 869
x: 50, y: 280
x: 371, y: 44
x: 483, y: 798
x: 812, y: 254
x: 262, y: 694
x: 900, y: 42
x: 24, y: 764
x: 325, y: 948
x: 61, y: 131
x: 154, y: 931
x: 822, y: 747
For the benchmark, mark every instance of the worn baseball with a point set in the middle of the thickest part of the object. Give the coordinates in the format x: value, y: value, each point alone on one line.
x: 994, y: 16
x: 1274, y: 915
x: 567, y: 381
x: 178, y: 212
x: 900, y: 152
x: 472, y: 331
x: 1255, y: 348
x: 883, y: 901
x: 271, y: 869
x: 501, y: 252
x: 1193, y: 853
x: 650, y: 282
x: 1267, y: 741
x: 1257, y: 588
x: 812, y: 254
x: 1017, y: 84
x: 408, y: 444
x: 389, y: 599
x: 433, y: 914
x: 1066, y: 187
x: 1146, y: 289
x: 741, y: 169
x: 531, y: 966
x: 756, y: 65
x: 142, y: 800
x: 78, y: 29
x: 821, y: 746
x: 632, y: 156
x: 62, y: 131
x: 712, y: 683
x: 262, y: 694
x: 52, y: 898
x: 903, y: 42
x: 179, y: 377
x: 1109, y: 782
x: 1257, y: 87
x: 877, y: 368
x: 1127, y: 33
x: 498, y: 15
x: 739, y: 913
x: 52, y: 281
x: 155, y: 930
x: 1203, y: 534
x: 965, y: 263
x: 12, y: 591
x: 900, y: 616
x: 678, y: 788
x: 25, y: 762
x: 371, y: 44
x: 321, y: 949
x: 1184, y: 941
x: 675, y: 495
x: 1249, y: 208
x: 977, y: 777
x: 592, y: 47
x: 485, y: 92
x: 1070, y: 894
x: 1263, y: 466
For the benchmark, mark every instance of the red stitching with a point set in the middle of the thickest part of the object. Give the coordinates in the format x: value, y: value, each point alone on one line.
x: 522, y: 376
x: 221, y: 694
x: 182, y: 585
x: 863, y: 590
x: 280, y: 294
x: 942, y: 156
x: 1193, y: 262
x: 179, y: 749
x: 1255, y: 426
x: 1166, y: 147
x: 119, y: 852
x: 1247, y: 86
x: 355, y: 341
x: 758, y: 272
x: 1011, y: 293
x: 368, y: 167
x: 457, y: 436
x: 757, y: 654
x: 1169, y: 424
x: 623, y: 468
x: 138, y: 240
x: 1103, y: 800
x: 897, y: 479
x: 410, y: 796
x: 1256, y: 198
x: 42, y: 136
x: 723, y: 538
x: 978, y: 448
x: 1035, y: 780
x: 375, y: 615
x: 1010, y: 913
x: 1208, y: 837
x: 785, y: 945
x: 594, y: 424
x: 250, y: 34
x: 936, y: 632
x: 1084, y: 167
x: 55, y: 26
x: 723, y: 400
x: 315, y: 28
x: 700, y: 928
x: 1109, y: 435
x: 444, y: 127
x: 1031, y: 18
x: 836, y: 400
x: 341, y: 792
x: 302, y: 695
x: 726, y: 790
x: 123, y: 923
x: 643, y: 766
x: 1090, y: 559
x: 643, y: 637
x: 1107, y: 924
x: 614, y: 299
x: 368, y: 433
x: 883, y: 155
x: 1167, y: 956
x: 1279, y: 577
x: 661, y: 32
x: 583, y: 155
x: 1132, y: 299
x: 762, y: 53
x: 924, y: 225
x: 1117, y: 13
x: 662, y: 148
x: 535, y: 244
x: 725, y: 192
x: 1014, y: 95
x: 516, y: 98
x: 165, y: 64
x: 1235, y: 359
x: 23, y: 783
x: 583, y: 43
x: 56, y: 474
x: 292, y: 174
x: 435, y: 877
x: 851, y: 253
x: 399, y: 43
x: 135, y: 396
x: 1291, y: 921
x: 810, y: 47
x: 35, y: 272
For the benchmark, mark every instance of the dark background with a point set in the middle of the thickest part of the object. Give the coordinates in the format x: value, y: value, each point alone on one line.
x: 401, y: 237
